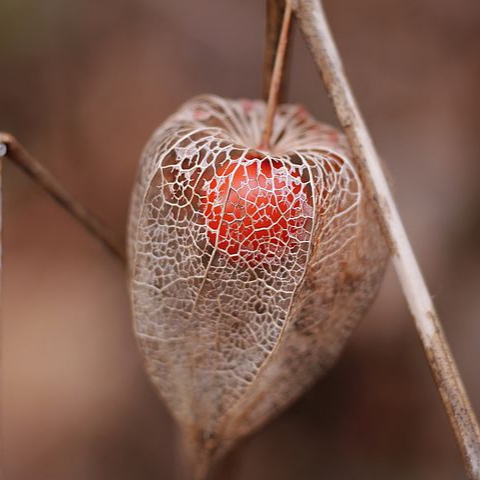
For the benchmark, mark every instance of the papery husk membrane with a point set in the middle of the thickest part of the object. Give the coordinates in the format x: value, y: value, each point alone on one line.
x: 226, y: 342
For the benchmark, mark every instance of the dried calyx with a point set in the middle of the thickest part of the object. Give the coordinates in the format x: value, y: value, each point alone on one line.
x: 249, y: 267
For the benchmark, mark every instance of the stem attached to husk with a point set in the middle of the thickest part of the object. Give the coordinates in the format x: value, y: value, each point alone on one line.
x: 314, y: 25
x: 277, y: 74
x: 274, y: 20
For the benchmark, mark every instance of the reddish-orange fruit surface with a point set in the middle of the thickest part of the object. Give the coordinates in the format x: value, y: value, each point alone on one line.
x: 253, y: 207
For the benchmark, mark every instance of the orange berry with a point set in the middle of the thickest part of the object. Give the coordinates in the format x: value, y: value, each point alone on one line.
x: 253, y: 208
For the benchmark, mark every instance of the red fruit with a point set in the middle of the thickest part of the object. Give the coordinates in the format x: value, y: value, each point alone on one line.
x: 254, y: 208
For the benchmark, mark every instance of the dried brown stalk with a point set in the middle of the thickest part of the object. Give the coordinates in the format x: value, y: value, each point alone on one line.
x: 3, y: 150
x: 275, y: 78
x: 316, y: 31
x: 11, y: 149
x: 275, y: 14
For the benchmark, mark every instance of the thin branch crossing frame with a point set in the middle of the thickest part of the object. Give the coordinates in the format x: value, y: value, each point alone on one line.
x: 315, y: 29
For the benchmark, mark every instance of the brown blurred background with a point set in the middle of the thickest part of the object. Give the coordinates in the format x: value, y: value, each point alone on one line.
x: 83, y: 83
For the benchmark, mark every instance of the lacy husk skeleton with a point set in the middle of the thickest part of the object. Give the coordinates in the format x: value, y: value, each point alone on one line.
x: 230, y: 340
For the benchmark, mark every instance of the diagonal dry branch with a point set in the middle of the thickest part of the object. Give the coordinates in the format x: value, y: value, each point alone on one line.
x: 2, y: 454
x: 315, y: 28
x: 11, y: 149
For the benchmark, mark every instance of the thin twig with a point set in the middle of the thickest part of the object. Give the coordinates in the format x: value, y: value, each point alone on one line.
x: 2, y: 450
x: 275, y: 13
x: 315, y: 28
x: 11, y: 149
x: 276, y: 78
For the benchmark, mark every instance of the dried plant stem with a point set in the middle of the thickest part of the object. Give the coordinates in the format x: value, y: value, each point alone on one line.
x: 11, y: 149
x: 275, y: 14
x: 315, y: 28
x: 276, y: 76
x: 1, y: 317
